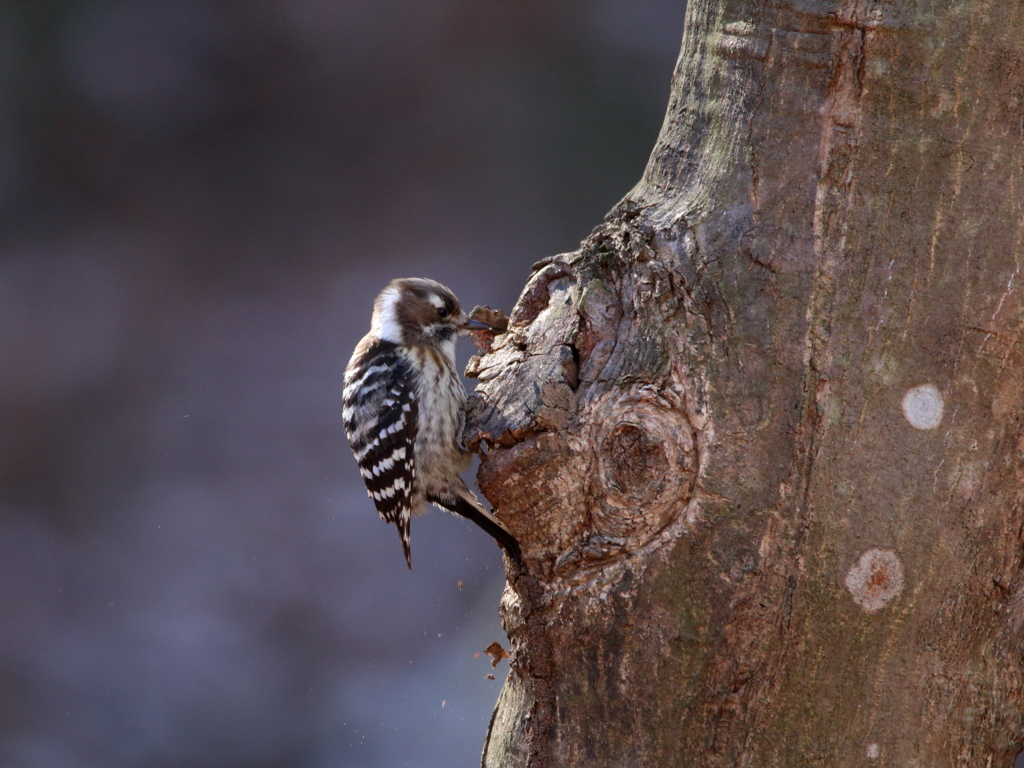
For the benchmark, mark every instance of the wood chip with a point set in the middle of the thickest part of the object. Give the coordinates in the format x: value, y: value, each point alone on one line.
x: 496, y: 652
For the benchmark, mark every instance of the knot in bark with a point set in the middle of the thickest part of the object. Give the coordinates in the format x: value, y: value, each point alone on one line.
x: 641, y: 452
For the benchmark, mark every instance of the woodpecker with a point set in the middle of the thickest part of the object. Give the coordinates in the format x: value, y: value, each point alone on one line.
x: 404, y: 409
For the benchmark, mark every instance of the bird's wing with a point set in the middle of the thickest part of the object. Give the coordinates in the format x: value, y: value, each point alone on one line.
x: 381, y: 422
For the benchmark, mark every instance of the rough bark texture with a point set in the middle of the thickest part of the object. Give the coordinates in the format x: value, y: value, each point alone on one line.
x: 760, y: 438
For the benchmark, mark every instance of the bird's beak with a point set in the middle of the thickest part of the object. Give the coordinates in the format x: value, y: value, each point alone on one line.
x: 469, y: 324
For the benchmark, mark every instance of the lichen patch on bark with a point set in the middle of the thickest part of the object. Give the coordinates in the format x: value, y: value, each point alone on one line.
x: 923, y: 406
x: 875, y: 580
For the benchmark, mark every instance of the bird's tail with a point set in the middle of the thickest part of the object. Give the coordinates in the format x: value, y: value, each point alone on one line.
x: 462, y: 502
x: 402, y: 524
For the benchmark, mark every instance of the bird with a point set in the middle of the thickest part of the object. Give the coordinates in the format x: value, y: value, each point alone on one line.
x: 404, y: 409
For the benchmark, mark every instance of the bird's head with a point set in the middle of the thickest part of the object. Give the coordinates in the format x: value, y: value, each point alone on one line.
x: 415, y: 311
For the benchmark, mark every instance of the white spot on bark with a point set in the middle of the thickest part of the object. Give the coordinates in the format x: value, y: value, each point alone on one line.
x: 873, y: 751
x: 875, y: 579
x: 922, y: 406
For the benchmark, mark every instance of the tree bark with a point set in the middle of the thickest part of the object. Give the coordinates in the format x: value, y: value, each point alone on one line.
x: 760, y: 437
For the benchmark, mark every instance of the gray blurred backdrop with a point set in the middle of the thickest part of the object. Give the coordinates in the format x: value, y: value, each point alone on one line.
x: 198, y: 203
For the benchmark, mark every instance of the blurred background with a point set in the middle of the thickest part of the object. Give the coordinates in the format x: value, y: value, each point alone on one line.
x: 199, y: 201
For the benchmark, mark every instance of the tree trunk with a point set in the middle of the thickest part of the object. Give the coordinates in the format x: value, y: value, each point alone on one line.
x: 760, y: 437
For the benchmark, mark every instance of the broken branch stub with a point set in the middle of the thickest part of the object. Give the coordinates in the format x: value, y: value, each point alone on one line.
x: 577, y: 405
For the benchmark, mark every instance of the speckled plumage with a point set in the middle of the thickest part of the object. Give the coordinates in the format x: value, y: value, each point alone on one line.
x: 404, y: 405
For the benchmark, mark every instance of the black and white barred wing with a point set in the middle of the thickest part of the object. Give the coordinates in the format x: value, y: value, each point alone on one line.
x: 380, y: 413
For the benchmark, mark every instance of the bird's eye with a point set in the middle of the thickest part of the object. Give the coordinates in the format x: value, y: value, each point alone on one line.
x: 442, y: 312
